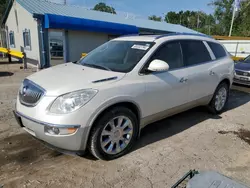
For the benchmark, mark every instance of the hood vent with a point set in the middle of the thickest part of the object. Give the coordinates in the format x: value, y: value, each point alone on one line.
x: 105, y: 79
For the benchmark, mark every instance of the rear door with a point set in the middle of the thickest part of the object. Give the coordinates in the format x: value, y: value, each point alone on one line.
x: 199, y: 64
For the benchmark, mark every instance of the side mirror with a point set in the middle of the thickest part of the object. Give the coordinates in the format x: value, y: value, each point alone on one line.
x: 158, y: 66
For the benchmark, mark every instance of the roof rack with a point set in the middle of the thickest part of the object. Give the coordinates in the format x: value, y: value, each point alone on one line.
x: 188, y: 34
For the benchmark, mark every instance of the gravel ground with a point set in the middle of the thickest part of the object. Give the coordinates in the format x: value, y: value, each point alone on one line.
x: 166, y: 151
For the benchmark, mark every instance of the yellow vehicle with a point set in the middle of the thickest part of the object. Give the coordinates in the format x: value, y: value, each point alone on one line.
x: 84, y: 54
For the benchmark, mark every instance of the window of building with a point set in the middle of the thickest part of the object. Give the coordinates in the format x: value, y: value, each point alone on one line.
x: 12, y: 39
x: 26, y: 39
x: 194, y: 52
x: 170, y: 53
x: 217, y: 49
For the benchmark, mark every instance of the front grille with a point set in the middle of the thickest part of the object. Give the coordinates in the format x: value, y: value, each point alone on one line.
x: 242, y: 73
x: 242, y: 81
x: 30, y: 93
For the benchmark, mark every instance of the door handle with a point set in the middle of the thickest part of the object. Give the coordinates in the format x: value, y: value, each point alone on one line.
x: 183, y: 80
x: 211, y: 73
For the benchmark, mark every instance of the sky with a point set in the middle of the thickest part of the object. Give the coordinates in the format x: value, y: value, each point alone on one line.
x: 149, y: 7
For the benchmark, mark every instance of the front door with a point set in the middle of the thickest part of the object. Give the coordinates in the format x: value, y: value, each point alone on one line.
x: 166, y: 90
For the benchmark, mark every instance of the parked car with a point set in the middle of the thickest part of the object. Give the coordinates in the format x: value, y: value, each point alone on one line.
x: 242, y: 71
x: 102, y: 102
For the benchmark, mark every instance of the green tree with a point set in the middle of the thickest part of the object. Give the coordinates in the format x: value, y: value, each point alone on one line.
x: 155, y: 18
x: 172, y: 17
x: 196, y: 20
x: 242, y: 21
x: 104, y: 8
x: 223, y: 15
x: 3, y: 5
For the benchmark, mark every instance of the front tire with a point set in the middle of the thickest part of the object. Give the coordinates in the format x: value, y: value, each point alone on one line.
x: 220, y: 99
x: 114, y: 134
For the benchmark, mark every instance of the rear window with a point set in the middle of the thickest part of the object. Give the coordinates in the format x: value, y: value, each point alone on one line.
x: 217, y: 49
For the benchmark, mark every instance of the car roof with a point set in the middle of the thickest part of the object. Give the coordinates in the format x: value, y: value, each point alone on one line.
x: 153, y: 38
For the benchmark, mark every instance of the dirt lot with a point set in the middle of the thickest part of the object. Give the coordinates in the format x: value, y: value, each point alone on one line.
x: 165, y: 152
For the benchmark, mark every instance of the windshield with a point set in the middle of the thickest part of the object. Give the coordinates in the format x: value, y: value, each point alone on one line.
x: 119, y: 56
x: 247, y: 59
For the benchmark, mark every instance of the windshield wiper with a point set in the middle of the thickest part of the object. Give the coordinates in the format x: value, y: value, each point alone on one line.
x: 97, y: 66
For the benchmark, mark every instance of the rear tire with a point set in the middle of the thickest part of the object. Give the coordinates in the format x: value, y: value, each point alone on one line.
x: 114, y: 134
x: 220, y: 99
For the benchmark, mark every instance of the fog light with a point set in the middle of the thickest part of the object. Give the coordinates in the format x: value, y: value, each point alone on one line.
x: 52, y: 130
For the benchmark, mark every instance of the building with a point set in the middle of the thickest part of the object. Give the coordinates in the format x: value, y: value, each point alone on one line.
x: 238, y: 47
x: 51, y: 33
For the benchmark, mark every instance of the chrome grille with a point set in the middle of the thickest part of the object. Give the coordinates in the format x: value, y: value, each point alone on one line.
x: 30, y: 93
x: 242, y: 73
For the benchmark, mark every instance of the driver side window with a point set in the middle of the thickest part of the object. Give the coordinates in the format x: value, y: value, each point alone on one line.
x: 171, y: 54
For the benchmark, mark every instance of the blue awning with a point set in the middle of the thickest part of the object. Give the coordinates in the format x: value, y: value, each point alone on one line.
x: 71, y: 23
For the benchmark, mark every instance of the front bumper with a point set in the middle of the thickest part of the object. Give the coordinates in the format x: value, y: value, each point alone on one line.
x: 238, y: 80
x: 71, y: 143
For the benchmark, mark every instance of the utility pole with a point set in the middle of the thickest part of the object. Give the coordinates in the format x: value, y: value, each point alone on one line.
x: 65, y: 2
x: 198, y: 20
x: 232, y: 23
x: 236, y: 8
x: 165, y: 18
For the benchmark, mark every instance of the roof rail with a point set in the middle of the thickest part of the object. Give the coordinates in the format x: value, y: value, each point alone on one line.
x: 188, y: 34
x: 128, y: 35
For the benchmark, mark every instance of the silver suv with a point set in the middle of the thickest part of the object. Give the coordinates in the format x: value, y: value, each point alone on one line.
x: 102, y: 101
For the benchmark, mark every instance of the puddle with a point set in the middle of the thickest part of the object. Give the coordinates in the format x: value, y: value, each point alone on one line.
x: 243, y: 134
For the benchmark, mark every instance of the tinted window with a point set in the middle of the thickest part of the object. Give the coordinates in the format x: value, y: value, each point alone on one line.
x: 12, y: 39
x: 170, y: 53
x: 247, y: 59
x: 194, y: 52
x: 217, y: 49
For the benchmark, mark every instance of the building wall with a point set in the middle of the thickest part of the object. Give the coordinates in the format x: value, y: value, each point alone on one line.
x: 238, y: 48
x: 83, y: 42
x: 18, y: 22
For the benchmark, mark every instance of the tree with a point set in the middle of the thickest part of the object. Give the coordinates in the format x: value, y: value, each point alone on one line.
x: 155, y: 18
x: 223, y: 15
x: 104, y: 8
x: 172, y: 17
x: 3, y: 5
x: 242, y: 21
x: 196, y: 20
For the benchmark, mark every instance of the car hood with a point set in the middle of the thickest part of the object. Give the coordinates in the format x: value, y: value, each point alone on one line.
x: 70, y: 77
x: 242, y: 66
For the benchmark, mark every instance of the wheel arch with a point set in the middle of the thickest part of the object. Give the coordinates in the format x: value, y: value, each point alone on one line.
x: 128, y: 104
x: 124, y: 103
x: 225, y: 80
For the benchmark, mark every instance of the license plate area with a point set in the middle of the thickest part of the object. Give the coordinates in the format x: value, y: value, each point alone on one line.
x: 244, y: 79
x: 29, y: 131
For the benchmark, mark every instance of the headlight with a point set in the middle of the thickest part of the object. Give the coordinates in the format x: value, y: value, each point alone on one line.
x: 72, y: 101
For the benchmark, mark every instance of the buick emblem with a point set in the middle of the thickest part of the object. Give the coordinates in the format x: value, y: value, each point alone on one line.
x: 24, y: 90
x: 245, y: 74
